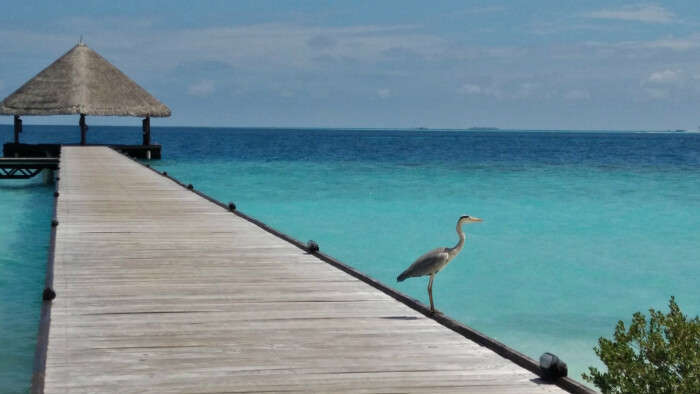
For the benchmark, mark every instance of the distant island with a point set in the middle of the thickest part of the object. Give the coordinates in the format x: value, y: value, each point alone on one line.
x: 483, y: 128
x: 476, y: 128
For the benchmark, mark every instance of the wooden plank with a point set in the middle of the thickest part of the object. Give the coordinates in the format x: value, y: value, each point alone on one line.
x: 159, y: 290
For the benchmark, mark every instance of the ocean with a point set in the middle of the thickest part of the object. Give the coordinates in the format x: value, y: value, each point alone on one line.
x: 581, y: 229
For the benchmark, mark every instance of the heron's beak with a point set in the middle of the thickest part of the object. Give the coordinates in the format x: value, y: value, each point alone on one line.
x: 473, y: 219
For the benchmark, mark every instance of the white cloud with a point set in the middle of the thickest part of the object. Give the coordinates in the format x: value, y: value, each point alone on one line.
x: 479, y: 10
x: 524, y: 90
x: 90, y: 24
x: 664, y: 84
x: 503, y: 90
x: 321, y: 42
x: 677, y: 44
x: 664, y: 76
x: 476, y: 90
x: 648, y: 13
x: 315, y: 64
x: 253, y: 47
x: 384, y: 93
x: 294, y: 46
x: 577, y: 94
x: 469, y: 88
x: 683, y: 44
x: 656, y: 93
x: 202, y: 88
x: 505, y: 52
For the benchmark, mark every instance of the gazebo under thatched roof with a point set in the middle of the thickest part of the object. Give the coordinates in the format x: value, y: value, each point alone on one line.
x: 82, y: 82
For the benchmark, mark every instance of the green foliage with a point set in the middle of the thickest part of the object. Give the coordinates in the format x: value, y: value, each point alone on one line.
x: 662, y: 356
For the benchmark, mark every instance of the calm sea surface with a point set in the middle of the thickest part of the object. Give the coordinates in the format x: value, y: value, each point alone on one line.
x: 580, y: 229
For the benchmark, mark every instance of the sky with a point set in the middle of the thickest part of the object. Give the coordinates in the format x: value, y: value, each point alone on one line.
x: 549, y: 64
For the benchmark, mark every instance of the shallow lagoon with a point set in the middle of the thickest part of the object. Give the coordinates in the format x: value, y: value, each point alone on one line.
x: 26, y: 208
x: 581, y: 229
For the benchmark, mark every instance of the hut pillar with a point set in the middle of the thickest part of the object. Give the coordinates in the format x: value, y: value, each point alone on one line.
x: 83, y: 129
x: 146, y: 124
x: 18, y: 128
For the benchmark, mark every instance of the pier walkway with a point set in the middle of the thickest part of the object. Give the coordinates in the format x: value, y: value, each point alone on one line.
x: 162, y: 291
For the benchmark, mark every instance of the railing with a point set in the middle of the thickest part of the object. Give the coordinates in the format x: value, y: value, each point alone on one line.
x: 24, y: 168
x: 149, y: 152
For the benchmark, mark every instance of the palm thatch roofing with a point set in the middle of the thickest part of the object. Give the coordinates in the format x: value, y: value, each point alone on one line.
x: 82, y: 82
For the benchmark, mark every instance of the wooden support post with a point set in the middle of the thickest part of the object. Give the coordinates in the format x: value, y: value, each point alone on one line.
x: 146, y: 124
x: 47, y: 175
x: 83, y: 129
x: 18, y: 128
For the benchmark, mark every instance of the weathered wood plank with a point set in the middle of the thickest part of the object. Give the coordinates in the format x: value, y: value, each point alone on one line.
x: 162, y: 291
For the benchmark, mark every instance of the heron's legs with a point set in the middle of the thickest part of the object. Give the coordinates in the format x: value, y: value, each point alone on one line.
x: 430, y: 292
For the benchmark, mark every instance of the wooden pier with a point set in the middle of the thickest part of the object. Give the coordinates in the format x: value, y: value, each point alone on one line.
x: 159, y: 290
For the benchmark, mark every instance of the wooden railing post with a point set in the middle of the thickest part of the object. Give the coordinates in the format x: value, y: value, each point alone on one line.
x: 18, y: 128
x: 83, y: 129
x: 146, y: 124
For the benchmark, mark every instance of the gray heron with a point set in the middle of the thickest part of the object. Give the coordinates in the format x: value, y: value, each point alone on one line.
x: 432, y: 262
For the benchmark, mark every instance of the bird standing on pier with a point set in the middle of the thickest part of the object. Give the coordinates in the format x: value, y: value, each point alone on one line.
x: 432, y: 262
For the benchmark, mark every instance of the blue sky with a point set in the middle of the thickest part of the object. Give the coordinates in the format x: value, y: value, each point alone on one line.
x: 444, y: 64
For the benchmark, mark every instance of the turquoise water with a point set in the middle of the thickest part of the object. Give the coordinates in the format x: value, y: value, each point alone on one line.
x: 561, y: 256
x: 26, y: 208
x: 580, y: 230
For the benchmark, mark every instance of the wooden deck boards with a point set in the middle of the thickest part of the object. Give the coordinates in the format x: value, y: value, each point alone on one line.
x: 161, y: 291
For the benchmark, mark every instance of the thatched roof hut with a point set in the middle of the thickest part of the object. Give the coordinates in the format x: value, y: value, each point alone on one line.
x: 82, y: 82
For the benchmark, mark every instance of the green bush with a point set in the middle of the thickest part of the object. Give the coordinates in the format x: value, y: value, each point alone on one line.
x: 658, y: 356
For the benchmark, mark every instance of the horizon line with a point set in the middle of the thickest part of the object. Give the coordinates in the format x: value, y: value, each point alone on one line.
x: 472, y: 128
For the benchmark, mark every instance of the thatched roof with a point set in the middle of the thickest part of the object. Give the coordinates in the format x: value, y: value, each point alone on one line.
x: 82, y: 82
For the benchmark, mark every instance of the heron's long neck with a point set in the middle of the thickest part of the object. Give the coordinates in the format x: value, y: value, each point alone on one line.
x: 453, y: 252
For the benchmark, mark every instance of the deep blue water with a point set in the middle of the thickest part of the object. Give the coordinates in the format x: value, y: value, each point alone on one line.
x: 581, y: 228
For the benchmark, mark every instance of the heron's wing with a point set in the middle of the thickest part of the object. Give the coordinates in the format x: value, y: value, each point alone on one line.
x: 427, y: 264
